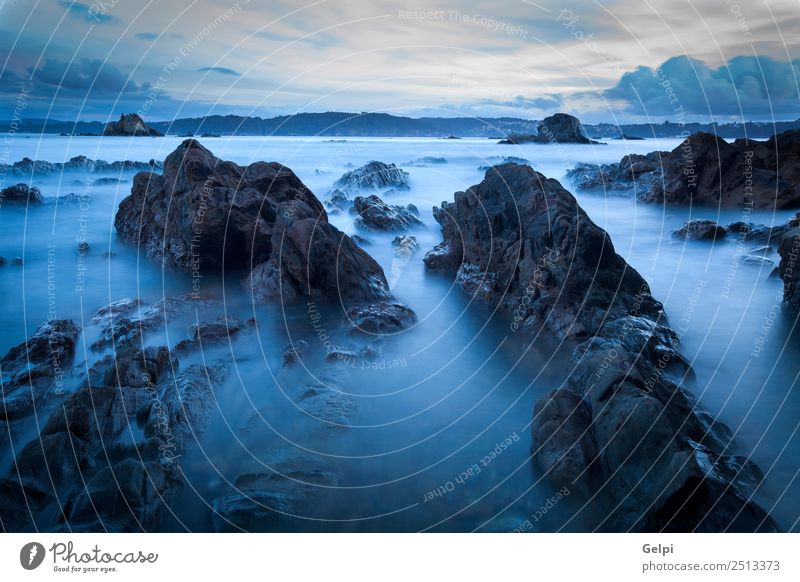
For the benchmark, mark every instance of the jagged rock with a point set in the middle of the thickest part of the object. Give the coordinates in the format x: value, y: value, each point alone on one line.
x: 558, y: 128
x: 707, y: 170
x: 789, y: 269
x: 219, y: 332
x: 374, y: 176
x: 379, y: 318
x: 374, y: 214
x: 405, y: 245
x: 31, y: 368
x: 338, y: 202
x: 293, y: 353
x: 532, y: 250
x: 130, y: 125
x: 83, y: 248
x: 701, y: 229
x: 29, y: 168
x: 20, y: 194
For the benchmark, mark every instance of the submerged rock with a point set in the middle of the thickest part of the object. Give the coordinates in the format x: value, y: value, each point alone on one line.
x: 558, y: 128
x: 707, y: 170
x: 701, y: 229
x: 20, y: 194
x: 374, y: 214
x: 374, y: 176
x: 130, y: 125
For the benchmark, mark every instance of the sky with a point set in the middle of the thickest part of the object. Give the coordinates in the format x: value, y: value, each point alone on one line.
x: 614, y: 61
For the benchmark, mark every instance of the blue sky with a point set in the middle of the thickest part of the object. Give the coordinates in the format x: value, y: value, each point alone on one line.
x: 623, y: 60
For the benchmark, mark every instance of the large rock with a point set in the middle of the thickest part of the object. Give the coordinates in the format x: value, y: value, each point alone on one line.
x: 707, y: 170
x: 520, y: 240
x: 789, y: 268
x: 558, y: 128
x: 33, y: 367
x: 130, y: 125
x: 374, y: 176
x: 204, y: 214
x: 20, y: 194
x: 374, y: 214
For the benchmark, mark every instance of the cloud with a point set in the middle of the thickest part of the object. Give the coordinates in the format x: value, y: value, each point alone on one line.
x: 146, y: 35
x: 746, y: 86
x: 96, y: 13
x: 220, y: 70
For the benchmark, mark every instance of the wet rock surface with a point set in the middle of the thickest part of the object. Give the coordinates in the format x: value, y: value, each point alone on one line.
x: 30, y: 369
x: 706, y: 170
x: 374, y: 176
x: 374, y: 214
x: 520, y: 240
x: 701, y: 229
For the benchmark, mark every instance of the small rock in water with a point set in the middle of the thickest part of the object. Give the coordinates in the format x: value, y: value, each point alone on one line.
x: 17, y: 260
x: 294, y: 351
x: 83, y: 247
x: 701, y: 229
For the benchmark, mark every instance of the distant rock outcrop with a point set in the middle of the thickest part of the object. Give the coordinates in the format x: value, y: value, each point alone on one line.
x: 28, y: 167
x: 558, y: 128
x: 130, y: 124
x: 707, y: 170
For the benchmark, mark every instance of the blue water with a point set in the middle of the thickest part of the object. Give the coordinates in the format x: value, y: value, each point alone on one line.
x: 452, y: 388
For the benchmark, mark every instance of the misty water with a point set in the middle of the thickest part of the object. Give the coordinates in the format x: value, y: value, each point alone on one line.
x: 448, y: 407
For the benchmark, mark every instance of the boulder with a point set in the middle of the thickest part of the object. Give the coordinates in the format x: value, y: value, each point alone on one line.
x: 30, y: 369
x: 379, y: 318
x: 558, y: 128
x: 789, y: 269
x: 20, y: 194
x: 520, y: 241
x: 701, y: 229
x: 374, y: 214
x: 374, y: 176
x: 130, y: 125
x: 707, y: 170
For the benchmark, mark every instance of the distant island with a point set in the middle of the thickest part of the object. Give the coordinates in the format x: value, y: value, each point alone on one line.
x: 341, y: 124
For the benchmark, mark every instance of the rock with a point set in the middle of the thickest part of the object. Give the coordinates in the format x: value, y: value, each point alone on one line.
x: 20, y: 194
x: 789, y: 270
x: 338, y: 202
x: 204, y: 212
x: 707, y: 170
x: 558, y: 128
x: 405, y: 245
x: 374, y: 214
x: 374, y: 176
x: 341, y: 354
x: 128, y: 497
x: 30, y: 168
x: 380, y: 318
x: 361, y: 241
x: 3, y: 261
x: 130, y: 125
x: 373, y: 350
x: 532, y: 250
x: 31, y: 368
x: 331, y: 407
x: 83, y: 248
x: 117, y: 308
x: 701, y: 229
x: 268, y: 501
x: 208, y: 334
x: 17, y: 261
x: 316, y: 260
x: 293, y: 353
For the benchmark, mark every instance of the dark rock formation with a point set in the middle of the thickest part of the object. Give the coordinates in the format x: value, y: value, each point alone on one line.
x: 789, y: 268
x: 338, y: 203
x: 380, y: 318
x: 374, y: 214
x: 204, y: 214
x: 701, y: 229
x: 130, y: 125
x: 622, y: 431
x: 30, y: 369
x: 374, y: 176
x: 520, y: 240
x: 558, y: 128
x: 20, y: 194
x: 405, y: 246
x: 707, y: 170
